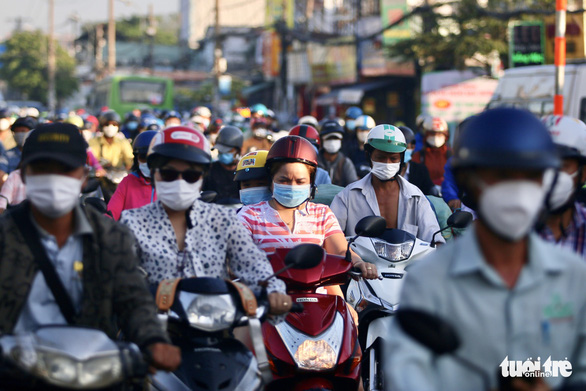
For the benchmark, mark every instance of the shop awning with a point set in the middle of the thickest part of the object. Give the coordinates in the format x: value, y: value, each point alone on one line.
x: 350, y: 95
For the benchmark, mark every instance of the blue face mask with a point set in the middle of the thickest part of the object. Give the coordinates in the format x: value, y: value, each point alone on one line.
x: 291, y: 196
x: 351, y: 124
x: 226, y: 158
x: 408, y: 154
x: 254, y: 195
x: 131, y: 125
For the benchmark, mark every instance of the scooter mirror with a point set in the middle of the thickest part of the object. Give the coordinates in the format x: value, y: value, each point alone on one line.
x: 371, y: 226
x: 459, y: 219
x: 208, y: 196
x: 304, y: 256
x: 429, y: 330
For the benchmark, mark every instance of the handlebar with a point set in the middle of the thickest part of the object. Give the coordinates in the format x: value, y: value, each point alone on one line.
x: 296, y: 307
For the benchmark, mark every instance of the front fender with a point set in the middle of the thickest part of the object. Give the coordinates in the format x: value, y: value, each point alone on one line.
x: 378, y: 328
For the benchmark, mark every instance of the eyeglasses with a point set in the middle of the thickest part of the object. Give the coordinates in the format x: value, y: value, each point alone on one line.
x: 170, y: 175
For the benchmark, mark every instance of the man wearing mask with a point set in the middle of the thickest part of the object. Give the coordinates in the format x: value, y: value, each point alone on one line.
x: 350, y: 143
x: 363, y: 124
x: 220, y: 177
x: 261, y: 138
x: 509, y: 295
x: 383, y: 192
x: 115, y: 150
x: 566, y: 222
x: 435, y: 152
x: 5, y: 135
x: 90, y: 274
x: 331, y: 159
x: 11, y: 159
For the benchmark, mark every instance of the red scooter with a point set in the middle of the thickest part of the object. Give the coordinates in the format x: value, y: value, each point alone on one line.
x: 316, y: 349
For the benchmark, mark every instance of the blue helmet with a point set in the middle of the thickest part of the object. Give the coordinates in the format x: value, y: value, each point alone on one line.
x: 172, y: 114
x: 150, y: 123
x: 141, y: 143
x: 353, y: 112
x: 505, y: 138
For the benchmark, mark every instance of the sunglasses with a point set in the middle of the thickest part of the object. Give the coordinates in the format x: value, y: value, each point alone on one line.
x: 170, y: 175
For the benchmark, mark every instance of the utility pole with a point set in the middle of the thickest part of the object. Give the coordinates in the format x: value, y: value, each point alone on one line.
x: 358, y: 41
x: 111, y: 38
x: 217, y: 56
x: 51, y: 98
x: 284, y: 45
x: 151, y: 31
x: 99, y: 51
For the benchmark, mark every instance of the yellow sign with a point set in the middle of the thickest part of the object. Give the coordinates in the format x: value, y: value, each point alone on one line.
x: 575, y: 40
x: 275, y: 11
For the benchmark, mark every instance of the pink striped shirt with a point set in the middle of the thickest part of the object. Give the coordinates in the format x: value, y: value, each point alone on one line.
x: 313, y: 224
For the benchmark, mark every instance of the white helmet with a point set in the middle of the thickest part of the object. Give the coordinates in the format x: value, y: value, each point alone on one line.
x: 434, y: 124
x: 201, y: 111
x: 365, y: 122
x: 569, y: 135
x: 387, y: 138
x: 421, y: 119
x: 308, y: 120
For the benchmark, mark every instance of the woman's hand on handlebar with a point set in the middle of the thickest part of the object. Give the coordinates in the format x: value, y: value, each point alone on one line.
x: 279, y: 303
x: 368, y: 270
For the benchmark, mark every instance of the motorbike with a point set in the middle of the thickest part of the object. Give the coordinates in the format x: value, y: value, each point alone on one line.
x: 315, y: 349
x: 376, y: 301
x: 68, y: 358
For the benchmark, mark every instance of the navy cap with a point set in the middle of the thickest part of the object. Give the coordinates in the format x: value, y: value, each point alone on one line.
x: 56, y: 141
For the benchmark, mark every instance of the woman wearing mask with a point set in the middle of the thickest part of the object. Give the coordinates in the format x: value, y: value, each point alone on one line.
x: 135, y: 190
x: 253, y: 178
x: 181, y: 236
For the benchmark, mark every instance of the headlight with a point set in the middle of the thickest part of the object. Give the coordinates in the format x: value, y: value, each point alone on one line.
x: 96, y: 370
x: 316, y: 355
x: 211, y: 312
x: 393, y: 252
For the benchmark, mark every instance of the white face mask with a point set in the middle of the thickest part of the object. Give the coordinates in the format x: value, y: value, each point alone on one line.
x: 436, y: 141
x: 260, y: 132
x: 385, y: 171
x: 332, y: 145
x: 510, y: 208
x: 562, y: 190
x: 20, y: 138
x: 4, y: 124
x: 110, y: 130
x: 361, y: 136
x: 144, y: 169
x: 53, y: 195
x: 178, y: 195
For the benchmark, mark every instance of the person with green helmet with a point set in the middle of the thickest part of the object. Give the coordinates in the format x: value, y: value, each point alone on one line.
x: 384, y: 192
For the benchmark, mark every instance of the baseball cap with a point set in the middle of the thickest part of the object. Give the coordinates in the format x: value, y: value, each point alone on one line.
x: 56, y: 141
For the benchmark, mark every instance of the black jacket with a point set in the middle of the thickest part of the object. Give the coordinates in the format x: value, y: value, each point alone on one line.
x: 419, y: 176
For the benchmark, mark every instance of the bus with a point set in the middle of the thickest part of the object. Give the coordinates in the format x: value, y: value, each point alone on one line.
x: 125, y: 93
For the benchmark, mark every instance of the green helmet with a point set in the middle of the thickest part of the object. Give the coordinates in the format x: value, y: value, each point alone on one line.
x: 387, y: 138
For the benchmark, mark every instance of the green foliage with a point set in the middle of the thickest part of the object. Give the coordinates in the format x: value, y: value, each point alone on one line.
x: 133, y: 29
x: 186, y: 98
x: 25, y: 67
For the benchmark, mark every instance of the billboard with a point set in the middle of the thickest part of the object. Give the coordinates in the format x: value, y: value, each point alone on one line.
x: 526, y: 44
x: 391, y: 11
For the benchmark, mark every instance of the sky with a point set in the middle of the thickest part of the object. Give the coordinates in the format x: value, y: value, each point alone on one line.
x: 35, y: 12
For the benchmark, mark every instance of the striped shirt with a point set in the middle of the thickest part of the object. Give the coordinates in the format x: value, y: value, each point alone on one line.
x: 574, y: 236
x: 313, y: 224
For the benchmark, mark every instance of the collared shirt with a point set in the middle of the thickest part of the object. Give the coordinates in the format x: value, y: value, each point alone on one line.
x: 215, y: 241
x: 118, y: 154
x: 9, y: 161
x: 414, y: 213
x: 41, y: 307
x: 543, y: 315
x: 575, y: 234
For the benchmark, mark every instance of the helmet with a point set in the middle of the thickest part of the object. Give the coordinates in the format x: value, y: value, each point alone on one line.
x: 75, y: 120
x: 505, y: 138
x: 353, y: 112
x: 173, y: 114
x: 4, y: 113
x: 331, y: 126
x: 251, y: 166
x: 408, y: 134
x: 215, y: 125
x: 92, y: 120
x: 307, y: 132
x: 27, y: 122
x: 270, y: 114
x: 421, y: 119
x: 32, y: 112
x: 201, y: 111
x: 365, y: 122
x: 228, y: 138
x: 292, y: 149
x: 179, y: 142
x: 387, y: 138
x: 61, y: 115
x: 109, y: 116
x: 259, y: 108
x: 308, y: 120
x: 141, y: 143
x: 434, y: 124
x: 130, y: 117
x: 149, y: 123
x: 568, y: 134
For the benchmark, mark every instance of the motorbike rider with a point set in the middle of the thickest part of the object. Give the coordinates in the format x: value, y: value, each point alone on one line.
x: 350, y: 142
x: 220, y: 177
x: 311, y: 134
x: 173, y: 118
x: 135, y: 190
x: 308, y: 120
x: 383, y: 192
x: 416, y: 173
x: 435, y: 152
x: 566, y: 222
x: 181, y: 236
x: 331, y: 158
x: 10, y: 160
x: 509, y: 294
x: 90, y: 255
x: 115, y: 150
x: 362, y: 126
x: 253, y: 178
x: 261, y: 138
x: 6, y: 138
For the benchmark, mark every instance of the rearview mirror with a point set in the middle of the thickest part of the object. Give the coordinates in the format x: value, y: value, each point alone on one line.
x: 371, y: 226
x: 304, y: 256
x: 429, y: 330
x: 460, y: 219
x: 208, y: 196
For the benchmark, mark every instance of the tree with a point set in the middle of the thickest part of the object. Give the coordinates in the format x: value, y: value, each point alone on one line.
x: 24, y: 67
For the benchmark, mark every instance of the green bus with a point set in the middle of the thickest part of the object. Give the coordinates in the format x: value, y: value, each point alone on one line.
x: 125, y: 93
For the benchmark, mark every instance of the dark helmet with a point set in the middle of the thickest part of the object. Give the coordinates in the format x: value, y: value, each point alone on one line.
x: 4, y: 113
x: 331, y: 126
x: 353, y: 112
x: 292, y: 149
x: 505, y: 138
x: 109, y: 116
x: 179, y: 142
x: 308, y: 132
x: 408, y: 133
x: 228, y: 138
x: 130, y: 117
x: 141, y: 143
x: 172, y: 114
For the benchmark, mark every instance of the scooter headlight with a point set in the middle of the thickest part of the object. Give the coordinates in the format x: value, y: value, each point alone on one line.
x: 211, y: 312
x: 316, y: 355
x: 94, y: 371
x: 393, y: 252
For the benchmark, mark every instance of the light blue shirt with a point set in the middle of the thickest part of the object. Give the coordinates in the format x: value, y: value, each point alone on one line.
x: 543, y: 315
x: 414, y: 213
x: 322, y: 177
x: 41, y: 307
